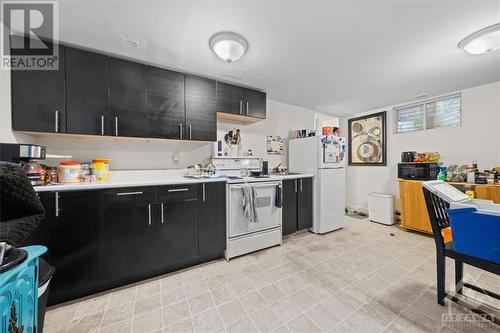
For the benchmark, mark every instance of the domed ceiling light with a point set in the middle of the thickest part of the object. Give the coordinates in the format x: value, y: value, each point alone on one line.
x: 482, y: 41
x: 228, y: 46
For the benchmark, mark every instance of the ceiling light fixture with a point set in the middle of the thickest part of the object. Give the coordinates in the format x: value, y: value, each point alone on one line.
x: 482, y: 41
x: 228, y: 46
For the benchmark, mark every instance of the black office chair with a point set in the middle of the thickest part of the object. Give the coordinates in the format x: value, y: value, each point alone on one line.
x: 438, y: 215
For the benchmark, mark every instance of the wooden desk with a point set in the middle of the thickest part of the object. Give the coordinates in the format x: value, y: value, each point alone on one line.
x: 414, y: 211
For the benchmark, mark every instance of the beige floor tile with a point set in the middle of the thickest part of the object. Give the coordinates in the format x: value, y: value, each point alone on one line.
x: 200, y: 303
x: 231, y: 311
x: 60, y: 314
x: 148, y: 322
x: 271, y: 293
x: 195, y: 288
x: 148, y: 288
x: 147, y: 304
x: 117, y: 314
x: 191, y: 275
x: 208, y: 321
x: 252, y: 302
x: 86, y: 323
x: 243, y: 325
x: 122, y: 296
x: 303, y: 300
x: 322, y: 317
x: 61, y: 327
x: 286, y: 310
x: 119, y: 327
x: 223, y: 295
x: 93, y: 305
x: 172, y: 281
x: 172, y: 296
x: 175, y: 312
x: 215, y: 281
x: 241, y: 287
x: 265, y: 320
x: 183, y: 326
x: 342, y: 304
x: 303, y: 324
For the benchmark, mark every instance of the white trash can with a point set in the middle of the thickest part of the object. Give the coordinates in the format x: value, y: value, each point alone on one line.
x: 381, y: 208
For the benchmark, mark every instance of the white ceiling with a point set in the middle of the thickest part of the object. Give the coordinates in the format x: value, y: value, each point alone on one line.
x: 334, y: 56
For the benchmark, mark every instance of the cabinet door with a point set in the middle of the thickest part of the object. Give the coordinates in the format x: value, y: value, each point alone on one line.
x: 212, y: 219
x: 289, y: 210
x: 165, y: 103
x: 130, y: 241
x: 38, y: 98
x: 230, y: 99
x: 41, y: 234
x: 87, y: 103
x: 201, y: 118
x: 178, y: 235
x: 413, y: 208
x: 305, y: 203
x: 127, y: 89
x: 75, y: 241
x: 255, y: 104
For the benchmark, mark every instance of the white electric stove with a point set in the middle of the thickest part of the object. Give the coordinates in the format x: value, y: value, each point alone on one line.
x: 244, y: 236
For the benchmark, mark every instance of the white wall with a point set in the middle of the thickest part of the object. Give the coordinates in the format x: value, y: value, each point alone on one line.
x: 477, y: 139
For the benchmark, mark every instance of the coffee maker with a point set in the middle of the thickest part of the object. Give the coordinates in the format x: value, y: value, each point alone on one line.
x: 27, y: 156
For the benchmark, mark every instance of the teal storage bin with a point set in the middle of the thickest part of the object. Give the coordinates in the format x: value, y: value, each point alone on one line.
x: 476, y: 233
x: 19, y: 294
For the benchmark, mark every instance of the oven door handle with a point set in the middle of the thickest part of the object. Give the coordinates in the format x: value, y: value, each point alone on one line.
x: 234, y: 187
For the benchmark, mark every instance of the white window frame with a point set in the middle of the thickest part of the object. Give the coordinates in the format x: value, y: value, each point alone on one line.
x: 424, y: 104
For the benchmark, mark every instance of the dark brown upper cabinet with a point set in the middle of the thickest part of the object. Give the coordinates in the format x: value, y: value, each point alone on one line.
x: 165, y: 103
x: 127, y: 92
x: 201, y: 116
x: 38, y: 98
x: 240, y: 101
x: 87, y: 102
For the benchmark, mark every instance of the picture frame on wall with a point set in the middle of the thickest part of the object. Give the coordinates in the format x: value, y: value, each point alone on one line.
x: 367, y: 137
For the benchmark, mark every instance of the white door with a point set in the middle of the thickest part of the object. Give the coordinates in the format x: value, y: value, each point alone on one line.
x: 331, y: 200
x: 268, y: 215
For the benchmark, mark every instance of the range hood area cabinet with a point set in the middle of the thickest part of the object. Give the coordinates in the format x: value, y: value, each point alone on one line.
x: 94, y: 94
x: 240, y: 101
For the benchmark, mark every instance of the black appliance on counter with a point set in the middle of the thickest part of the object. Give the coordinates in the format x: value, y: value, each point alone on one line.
x: 408, y: 156
x: 418, y: 171
x: 27, y: 156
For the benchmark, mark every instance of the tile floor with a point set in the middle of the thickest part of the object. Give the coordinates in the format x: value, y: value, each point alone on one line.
x: 363, y: 278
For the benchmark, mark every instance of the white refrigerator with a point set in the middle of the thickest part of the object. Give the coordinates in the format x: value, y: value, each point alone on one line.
x: 323, y: 156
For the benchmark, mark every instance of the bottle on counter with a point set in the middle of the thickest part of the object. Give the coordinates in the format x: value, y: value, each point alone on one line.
x: 100, y: 167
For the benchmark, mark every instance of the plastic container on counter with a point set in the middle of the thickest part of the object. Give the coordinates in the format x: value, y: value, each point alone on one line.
x: 69, y: 172
x: 100, y: 167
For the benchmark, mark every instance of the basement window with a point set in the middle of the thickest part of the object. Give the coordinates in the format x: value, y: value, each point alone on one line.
x: 435, y: 113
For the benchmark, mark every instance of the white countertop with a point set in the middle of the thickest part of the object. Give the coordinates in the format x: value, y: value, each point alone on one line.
x: 131, y: 178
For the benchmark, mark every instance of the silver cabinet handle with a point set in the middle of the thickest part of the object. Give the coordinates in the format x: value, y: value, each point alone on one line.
x: 116, y: 126
x: 149, y: 214
x: 295, y: 185
x: 180, y: 131
x: 190, y: 132
x: 57, y: 204
x: 162, y: 216
x: 178, y: 190
x: 129, y: 193
x: 102, y: 124
x: 241, y: 107
x: 203, y: 193
x: 56, y: 125
x: 248, y: 108
x: 300, y: 184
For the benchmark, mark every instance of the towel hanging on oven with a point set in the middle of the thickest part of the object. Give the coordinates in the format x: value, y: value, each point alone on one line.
x: 249, y: 209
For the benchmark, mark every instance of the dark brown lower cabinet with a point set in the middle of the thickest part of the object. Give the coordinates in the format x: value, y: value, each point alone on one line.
x: 101, y: 239
x: 297, y: 205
